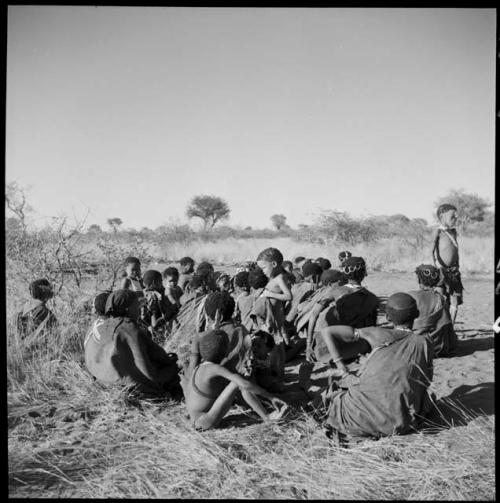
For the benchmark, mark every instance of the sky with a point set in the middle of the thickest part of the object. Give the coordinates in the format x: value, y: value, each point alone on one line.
x: 129, y: 112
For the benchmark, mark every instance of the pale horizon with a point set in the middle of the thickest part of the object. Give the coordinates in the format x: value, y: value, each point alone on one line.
x: 132, y: 111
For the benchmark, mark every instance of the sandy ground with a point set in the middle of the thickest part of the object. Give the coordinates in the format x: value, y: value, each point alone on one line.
x: 466, y: 377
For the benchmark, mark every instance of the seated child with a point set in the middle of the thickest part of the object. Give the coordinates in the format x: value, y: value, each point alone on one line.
x: 262, y: 368
x: 210, y: 388
x: 445, y: 252
x: 257, y: 281
x: 173, y: 292
x: 36, y: 318
x: 158, y: 310
x: 311, y: 271
x: 132, y: 275
x: 190, y: 317
x: 187, y: 270
x: 434, y: 317
x: 389, y: 395
x: 222, y: 281
x: 120, y: 350
x: 206, y: 271
x: 218, y: 309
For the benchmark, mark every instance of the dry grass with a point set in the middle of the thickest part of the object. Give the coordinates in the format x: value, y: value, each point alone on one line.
x: 71, y: 437
x: 476, y: 254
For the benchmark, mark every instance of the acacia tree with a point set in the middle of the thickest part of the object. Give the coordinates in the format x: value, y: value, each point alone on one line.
x: 471, y: 208
x: 210, y: 209
x: 114, y: 223
x: 279, y: 221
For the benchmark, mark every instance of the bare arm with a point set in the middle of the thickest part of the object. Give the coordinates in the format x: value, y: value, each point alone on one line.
x: 194, y: 354
x: 435, y: 242
x: 331, y: 335
x: 286, y: 293
x: 311, y: 324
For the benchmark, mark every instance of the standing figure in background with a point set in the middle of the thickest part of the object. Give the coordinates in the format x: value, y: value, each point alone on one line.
x: 445, y: 253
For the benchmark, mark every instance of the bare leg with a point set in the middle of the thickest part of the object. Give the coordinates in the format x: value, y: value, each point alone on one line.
x: 453, y: 313
x: 330, y: 334
x: 218, y: 410
x: 255, y: 404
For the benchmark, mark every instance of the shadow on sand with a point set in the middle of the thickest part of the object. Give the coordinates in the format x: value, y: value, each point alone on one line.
x: 463, y: 405
x: 469, y: 346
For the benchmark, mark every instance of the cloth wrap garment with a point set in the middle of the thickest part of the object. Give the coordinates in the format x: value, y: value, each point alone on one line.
x: 391, y: 395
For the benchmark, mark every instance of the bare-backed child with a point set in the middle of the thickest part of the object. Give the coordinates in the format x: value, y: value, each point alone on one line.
x: 445, y: 253
x: 210, y: 389
x: 132, y: 275
x: 278, y: 292
x: 240, y: 294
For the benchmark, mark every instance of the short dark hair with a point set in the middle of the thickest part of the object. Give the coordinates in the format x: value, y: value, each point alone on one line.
x: 257, y: 278
x: 150, y: 276
x: 401, y: 308
x: 297, y: 260
x: 241, y: 279
x: 354, y: 268
x: 100, y: 302
x: 132, y: 260
x: 428, y: 275
x: 213, y: 346
x: 219, y: 301
x: 324, y: 263
x: 186, y: 261
x: 266, y: 337
x: 311, y: 269
x: 443, y: 208
x: 204, y: 267
x: 41, y: 289
x: 171, y: 272
x: 333, y: 276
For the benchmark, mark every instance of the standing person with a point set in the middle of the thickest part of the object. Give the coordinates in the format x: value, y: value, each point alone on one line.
x: 278, y: 292
x: 132, y: 276
x: 445, y: 253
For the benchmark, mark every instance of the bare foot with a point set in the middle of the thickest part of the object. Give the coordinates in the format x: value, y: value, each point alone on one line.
x: 275, y: 415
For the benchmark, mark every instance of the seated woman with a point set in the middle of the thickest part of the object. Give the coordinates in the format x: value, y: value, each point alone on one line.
x: 389, y: 394
x: 352, y: 305
x: 210, y: 388
x: 434, y: 319
x: 118, y: 349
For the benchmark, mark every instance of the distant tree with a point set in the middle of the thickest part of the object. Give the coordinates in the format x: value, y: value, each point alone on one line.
x: 15, y: 200
x: 279, y: 221
x: 471, y: 208
x: 114, y: 223
x: 94, y: 229
x: 210, y: 209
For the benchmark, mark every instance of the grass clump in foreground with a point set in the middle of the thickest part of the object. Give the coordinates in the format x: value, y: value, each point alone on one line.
x: 72, y: 437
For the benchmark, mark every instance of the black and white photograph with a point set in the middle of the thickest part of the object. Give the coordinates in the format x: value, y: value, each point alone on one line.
x: 250, y: 252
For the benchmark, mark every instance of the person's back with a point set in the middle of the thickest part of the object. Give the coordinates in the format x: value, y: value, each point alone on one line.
x: 391, y: 392
x: 36, y: 318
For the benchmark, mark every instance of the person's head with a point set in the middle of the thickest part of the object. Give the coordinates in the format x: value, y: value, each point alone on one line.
x: 219, y: 306
x: 447, y: 214
x: 223, y: 282
x: 298, y: 262
x: 333, y: 277
x: 241, y: 281
x: 41, y: 289
x: 152, y: 280
x: 99, y: 304
x: 270, y: 261
x: 206, y: 271
x: 132, y: 267
x: 121, y: 303
x: 257, y: 279
x: 187, y: 265
x: 213, y: 346
x: 344, y: 255
x: 204, y: 267
x: 427, y: 275
x: 198, y: 284
x: 262, y: 344
x: 311, y: 271
x: 170, y: 277
x: 401, y: 309
x: 324, y: 263
x: 287, y: 266
x: 355, y: 269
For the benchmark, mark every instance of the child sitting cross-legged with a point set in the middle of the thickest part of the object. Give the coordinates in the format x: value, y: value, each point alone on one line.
x: 210, y: 388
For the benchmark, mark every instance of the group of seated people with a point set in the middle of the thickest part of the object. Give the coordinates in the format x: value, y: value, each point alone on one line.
x: 242, y: 330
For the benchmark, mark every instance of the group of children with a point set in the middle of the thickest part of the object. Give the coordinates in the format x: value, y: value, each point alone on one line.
x: 243, y: 330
